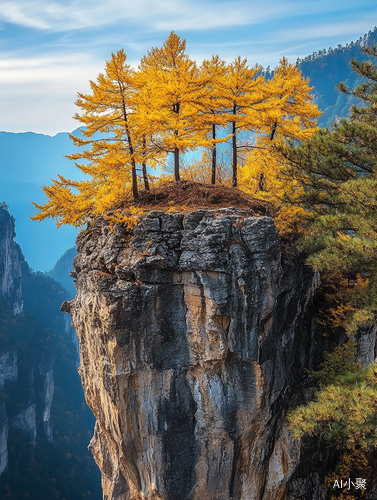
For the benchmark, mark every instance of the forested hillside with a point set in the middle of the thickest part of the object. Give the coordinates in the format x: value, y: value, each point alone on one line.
x: 328, y: 67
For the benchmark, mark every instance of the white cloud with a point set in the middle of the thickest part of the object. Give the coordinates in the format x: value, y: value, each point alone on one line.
x: 48, y: 69
x: 62, y: 15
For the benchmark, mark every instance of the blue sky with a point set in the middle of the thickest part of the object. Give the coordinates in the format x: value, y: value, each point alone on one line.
x: 49, y: 50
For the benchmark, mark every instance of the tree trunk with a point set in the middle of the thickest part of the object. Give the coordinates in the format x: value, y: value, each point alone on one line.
x: 273, y: 131
x: 234, y: 142
x: 144, y: 166
x: 261, y: 183
x: 176, y: 109
x: 145, y: 177
x: 176, y: 165
x: 135, y: 191
x: 213, y: 179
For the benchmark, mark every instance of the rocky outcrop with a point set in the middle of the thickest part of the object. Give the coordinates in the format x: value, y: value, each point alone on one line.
x: 8, y: 366
x: 31, y: 415
x: 26, y: 421
x: 10, y: 261
x: 4, y: 429
x: 8, y: 373
x: 46, y: 392
x: 192, y: 332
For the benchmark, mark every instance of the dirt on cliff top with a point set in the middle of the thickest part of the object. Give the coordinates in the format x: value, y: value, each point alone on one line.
x: 187, y: 196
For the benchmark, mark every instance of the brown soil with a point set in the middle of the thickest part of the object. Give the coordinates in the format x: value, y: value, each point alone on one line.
x: 186, y: 196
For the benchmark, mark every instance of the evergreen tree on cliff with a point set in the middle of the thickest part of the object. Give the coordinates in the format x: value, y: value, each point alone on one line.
x: 338, y: 170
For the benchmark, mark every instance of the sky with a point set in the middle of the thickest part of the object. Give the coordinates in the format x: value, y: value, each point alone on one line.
x: 49, y: 50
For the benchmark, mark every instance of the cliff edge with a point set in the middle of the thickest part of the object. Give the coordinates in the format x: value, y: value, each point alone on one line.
x: 192, y: 332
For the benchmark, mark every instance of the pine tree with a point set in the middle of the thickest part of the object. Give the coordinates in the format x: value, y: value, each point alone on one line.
x: 337, y: 170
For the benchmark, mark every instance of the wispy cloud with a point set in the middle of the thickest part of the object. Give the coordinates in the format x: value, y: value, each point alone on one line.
x: 158, y: 15
x: 324, y: 31
x: 38, y: 94
x: 47, y: 70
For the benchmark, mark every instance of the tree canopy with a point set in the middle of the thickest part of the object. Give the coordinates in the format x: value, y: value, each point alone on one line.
x: 134, y: 118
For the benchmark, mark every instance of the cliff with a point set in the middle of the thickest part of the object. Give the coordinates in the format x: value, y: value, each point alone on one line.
x: 10, y: 262
x: 27, y: 405
x: 61, y: 271
x: 45, y: 425
x: 193, y: 331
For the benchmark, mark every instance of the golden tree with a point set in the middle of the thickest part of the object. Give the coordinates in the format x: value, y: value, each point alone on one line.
x: 133, y: 118
x: 111, y: 149
x: 171, y: 99
x: 246, y: 93
x: 109, y: 110
x: 291, y: 115
x: 215, y: 70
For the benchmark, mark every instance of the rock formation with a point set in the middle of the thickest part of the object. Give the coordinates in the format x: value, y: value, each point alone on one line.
x: 10, y: 261
x: 193, y: 331
x: 37, y: 382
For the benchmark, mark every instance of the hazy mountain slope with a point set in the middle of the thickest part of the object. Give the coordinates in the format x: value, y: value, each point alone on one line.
x: 28, y: 161
x: 327, y: 68
x: 62, y: 268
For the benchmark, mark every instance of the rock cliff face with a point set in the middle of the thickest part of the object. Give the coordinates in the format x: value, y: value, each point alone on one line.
x: 192, y: 333
x: 10, y: 261
x: 36, y: 382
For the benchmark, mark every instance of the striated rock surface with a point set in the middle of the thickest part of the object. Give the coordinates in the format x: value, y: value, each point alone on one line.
x: 192, y: 333
x: 8, y: 366
x: 26, y: 421
x: 35, y: 383
x: 45, y: 395
x: 10, y: 261
x: 4, y: 429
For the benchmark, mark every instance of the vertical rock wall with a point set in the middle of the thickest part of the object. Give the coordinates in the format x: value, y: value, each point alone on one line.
x: 192, y: 333
x: 32, y: 415
x: 10, y: 261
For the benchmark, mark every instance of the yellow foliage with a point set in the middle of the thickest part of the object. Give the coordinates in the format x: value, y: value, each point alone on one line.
x: 289, y: 115
x: 128, y: 219
x: 173, y: 96
x: 169, y: 105
x: 352, y: 464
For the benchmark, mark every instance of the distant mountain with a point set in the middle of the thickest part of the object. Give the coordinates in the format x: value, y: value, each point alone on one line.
x: 326, y: 68
x: 60, y: 271
x: 27, y: 162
